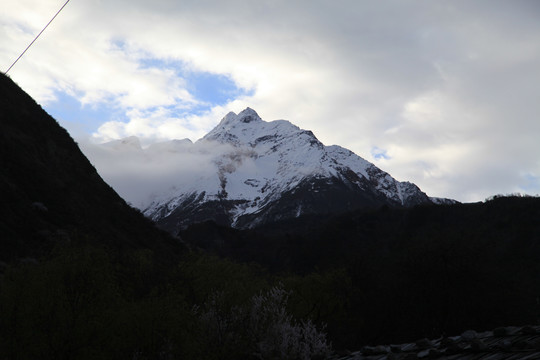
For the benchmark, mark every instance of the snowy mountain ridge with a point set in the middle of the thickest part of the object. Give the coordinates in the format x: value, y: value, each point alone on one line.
x: 267, y: 171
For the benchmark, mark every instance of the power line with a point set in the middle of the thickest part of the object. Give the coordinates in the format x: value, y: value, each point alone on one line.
x: 28, y: 47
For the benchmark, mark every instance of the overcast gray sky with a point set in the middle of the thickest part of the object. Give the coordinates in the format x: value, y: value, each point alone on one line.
x: 445, y: 94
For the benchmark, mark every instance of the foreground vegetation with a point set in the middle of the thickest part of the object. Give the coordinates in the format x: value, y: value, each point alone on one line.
x: 398, y: 275
x: 82, y: 304
x: 367, y: 278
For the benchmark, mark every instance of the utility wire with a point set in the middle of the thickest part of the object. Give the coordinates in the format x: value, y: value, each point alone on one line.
x: 28, y: 47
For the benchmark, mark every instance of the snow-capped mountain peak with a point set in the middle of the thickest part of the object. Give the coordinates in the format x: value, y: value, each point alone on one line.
x: 267, y: 171
x: 232, y: 122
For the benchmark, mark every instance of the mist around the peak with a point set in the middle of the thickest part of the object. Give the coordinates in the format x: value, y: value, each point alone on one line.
x: 140, y: 174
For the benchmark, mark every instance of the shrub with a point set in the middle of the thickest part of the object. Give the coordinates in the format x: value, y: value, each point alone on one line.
x: 262, y: 328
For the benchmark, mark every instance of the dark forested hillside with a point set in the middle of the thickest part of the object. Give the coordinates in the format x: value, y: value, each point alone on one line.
x: 50, y: 193
x: 410, y: 273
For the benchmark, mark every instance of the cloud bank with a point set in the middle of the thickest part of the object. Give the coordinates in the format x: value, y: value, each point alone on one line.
x: 443, y: 94
x: 141, y: 175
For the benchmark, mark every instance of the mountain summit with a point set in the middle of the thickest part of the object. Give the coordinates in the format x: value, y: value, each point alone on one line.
x: 270, y: 171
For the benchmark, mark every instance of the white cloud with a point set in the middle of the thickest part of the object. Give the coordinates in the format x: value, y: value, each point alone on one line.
x: 140, y: 175
x: 447, y: 88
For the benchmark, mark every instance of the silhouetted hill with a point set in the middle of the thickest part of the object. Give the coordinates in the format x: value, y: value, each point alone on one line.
x: 50, y: 193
